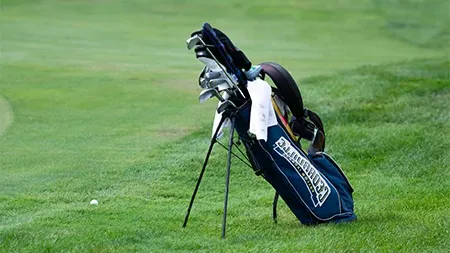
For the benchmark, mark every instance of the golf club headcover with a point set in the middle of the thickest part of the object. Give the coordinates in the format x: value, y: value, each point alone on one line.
x: 239, y: 58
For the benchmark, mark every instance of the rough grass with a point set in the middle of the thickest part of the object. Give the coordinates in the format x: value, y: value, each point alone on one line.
x: 391, y: 143
x: 105, y: 107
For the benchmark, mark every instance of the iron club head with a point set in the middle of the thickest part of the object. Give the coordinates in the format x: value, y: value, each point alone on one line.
x: 193, y: 41
x: 225, y: 105
x: 208, y: 93
x: 212, y: 75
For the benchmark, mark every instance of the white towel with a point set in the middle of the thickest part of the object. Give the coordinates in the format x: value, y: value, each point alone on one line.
x: 262, y: 115
x: 217, y: 119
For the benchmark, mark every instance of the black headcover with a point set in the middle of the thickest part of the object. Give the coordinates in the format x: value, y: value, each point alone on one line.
x: 239, y: 58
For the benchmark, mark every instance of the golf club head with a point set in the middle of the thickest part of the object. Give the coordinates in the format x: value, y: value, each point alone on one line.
x: 193, y: 41
x: 224, y: 87
x: 208, y: 93
x: 226, y: 104
x: 212, y: 75
x: 207, y: 75
x: 218, y: 81
x: 220, y: 84
x: 203, y: 83
x: 211, y: 64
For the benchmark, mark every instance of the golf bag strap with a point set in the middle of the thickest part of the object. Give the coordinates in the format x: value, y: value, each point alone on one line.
x: 287, y: 86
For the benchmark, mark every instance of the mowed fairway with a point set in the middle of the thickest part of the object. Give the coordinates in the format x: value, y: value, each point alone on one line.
x: 100, y: 101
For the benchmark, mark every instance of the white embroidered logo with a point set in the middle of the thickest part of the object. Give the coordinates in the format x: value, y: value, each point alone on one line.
x: 317, y: 186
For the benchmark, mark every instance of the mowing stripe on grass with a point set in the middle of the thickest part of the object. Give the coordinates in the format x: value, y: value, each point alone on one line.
x: 6, y: 115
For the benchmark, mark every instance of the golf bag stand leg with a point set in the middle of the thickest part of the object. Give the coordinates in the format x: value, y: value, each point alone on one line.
x: 213, y: 141
x: 227, y: 180
x: 274, y: 206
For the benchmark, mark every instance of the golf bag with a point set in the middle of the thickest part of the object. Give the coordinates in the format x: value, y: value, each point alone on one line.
x: 311, y: 184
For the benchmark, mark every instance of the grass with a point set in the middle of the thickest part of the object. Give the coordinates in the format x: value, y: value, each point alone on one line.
x: 104, y: 102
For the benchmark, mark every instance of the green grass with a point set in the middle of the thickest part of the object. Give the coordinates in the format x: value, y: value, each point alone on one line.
x: 104, y: 106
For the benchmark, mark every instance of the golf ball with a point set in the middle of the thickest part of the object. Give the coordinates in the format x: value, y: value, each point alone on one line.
x: 94, y: 202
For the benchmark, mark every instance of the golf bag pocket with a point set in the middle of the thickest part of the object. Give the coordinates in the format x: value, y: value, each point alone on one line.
x: 328, y: 167
x: 313, y: 187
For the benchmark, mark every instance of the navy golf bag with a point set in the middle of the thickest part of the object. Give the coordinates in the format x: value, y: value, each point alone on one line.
x: 311, y: 184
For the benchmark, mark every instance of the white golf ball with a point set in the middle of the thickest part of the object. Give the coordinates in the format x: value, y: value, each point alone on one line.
x: 94, y: 202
